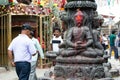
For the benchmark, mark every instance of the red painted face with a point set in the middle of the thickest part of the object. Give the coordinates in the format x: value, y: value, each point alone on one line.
x: 78, y: 18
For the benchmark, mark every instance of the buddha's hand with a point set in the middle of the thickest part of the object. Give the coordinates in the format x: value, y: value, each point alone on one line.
x: 83, y: 45
x: 78, y: 44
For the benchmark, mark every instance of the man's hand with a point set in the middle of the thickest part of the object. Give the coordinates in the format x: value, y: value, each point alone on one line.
x: 34, y: 54
x: 13, y: 63
x: 10, y: 56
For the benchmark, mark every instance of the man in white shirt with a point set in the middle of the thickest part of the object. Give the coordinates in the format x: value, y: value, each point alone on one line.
x: 20, y: 52
x: 38, y: 47
x: 104, y: 41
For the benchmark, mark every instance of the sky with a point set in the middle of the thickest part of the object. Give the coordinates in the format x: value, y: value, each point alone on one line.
x: 109, y: 7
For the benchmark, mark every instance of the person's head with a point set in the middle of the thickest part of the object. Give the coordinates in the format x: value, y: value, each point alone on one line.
x: 31, y: 34
x: 56, y: 32
x: 104, y: 34
x: 26, y: 28
x: 78, y: 18
x: 113, y: 32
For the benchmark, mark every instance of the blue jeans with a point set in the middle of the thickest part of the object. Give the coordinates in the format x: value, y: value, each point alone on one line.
x: 114, y: 48
x: 23, y: 70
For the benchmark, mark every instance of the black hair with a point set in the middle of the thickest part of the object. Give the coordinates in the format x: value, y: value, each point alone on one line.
x: 113, y: 32
x: 31, y: 33
x: 26, y: 27
x: 104, y: 34
x: 56, y: 28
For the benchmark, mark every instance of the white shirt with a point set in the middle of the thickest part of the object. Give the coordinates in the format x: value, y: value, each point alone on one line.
x: 104, y: 40
x: 22, y: 47
x: 55, y: 43
x: 38, y: 48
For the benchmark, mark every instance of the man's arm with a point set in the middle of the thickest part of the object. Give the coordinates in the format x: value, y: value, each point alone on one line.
x: 39, y: 48
x: 32, y: 48
x: 10, y: 56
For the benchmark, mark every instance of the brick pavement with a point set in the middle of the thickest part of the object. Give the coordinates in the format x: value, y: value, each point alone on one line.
x: 11, y: 75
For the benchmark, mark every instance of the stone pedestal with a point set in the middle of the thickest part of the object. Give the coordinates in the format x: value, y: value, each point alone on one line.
x: 79, y: 68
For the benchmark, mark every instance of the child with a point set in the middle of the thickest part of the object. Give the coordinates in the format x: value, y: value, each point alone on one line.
x: 56, y: 40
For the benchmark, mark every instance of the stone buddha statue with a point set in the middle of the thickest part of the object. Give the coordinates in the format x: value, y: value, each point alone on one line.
x: 79, y: 57
x: 79, y: 40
